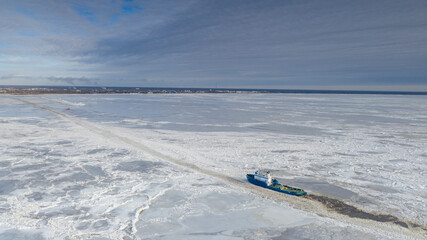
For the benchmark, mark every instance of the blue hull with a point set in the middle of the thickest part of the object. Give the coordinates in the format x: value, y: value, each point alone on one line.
x: 252, y: 180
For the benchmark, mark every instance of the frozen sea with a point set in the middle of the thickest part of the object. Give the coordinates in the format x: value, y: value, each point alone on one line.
x: 174, y: 166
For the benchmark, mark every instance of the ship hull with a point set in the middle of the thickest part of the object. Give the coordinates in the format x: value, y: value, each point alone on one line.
x: 277, y: 187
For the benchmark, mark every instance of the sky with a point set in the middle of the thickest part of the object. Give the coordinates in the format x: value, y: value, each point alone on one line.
x: 285, y: 44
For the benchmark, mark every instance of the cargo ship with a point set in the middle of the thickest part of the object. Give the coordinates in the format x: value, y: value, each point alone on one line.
x: 264, y: 179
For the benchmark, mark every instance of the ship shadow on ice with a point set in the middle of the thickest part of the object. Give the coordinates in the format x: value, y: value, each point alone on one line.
x: 354, y: 212
x: 333, y: 198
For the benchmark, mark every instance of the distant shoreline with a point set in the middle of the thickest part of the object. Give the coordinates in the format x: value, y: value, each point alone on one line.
x: 38, y: 90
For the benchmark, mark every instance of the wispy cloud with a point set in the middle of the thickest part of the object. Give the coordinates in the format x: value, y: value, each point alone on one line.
x: 75, y: 81
x: 52, y: 80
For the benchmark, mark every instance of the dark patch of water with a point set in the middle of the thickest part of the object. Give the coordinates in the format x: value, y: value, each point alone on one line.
x: 13, y: 234
x: 94, y: 151
x: 7, y: 186
x: 398, y: 160
x: 370, y: 152
x: 286, y: 151
x: 94, y: 170
x: 346, y: 154
x: 29, y: 167
x: 138, y: 166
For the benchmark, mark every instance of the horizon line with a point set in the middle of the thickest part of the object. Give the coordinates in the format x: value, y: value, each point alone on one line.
x: 270, y: 90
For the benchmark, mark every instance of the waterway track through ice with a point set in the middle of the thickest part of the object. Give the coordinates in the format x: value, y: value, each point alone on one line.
x: 315, y: 203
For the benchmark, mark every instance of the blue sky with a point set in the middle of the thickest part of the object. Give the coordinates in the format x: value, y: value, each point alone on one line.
x: 365, y: 45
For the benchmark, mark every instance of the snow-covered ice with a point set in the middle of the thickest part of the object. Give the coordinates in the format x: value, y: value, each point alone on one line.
x: 81, y: 173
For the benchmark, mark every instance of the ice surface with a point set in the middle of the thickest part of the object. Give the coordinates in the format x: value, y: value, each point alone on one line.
x: 60, y: 177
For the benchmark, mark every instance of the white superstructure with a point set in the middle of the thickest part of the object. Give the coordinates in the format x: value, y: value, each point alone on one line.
x: 263, y: 176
